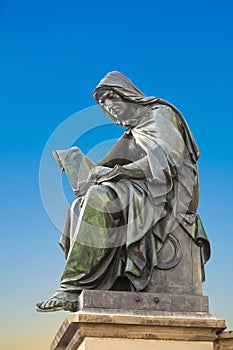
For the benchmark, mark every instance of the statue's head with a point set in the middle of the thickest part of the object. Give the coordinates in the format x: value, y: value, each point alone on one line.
x: 116, y: 107
x: 119, y: 99
x: 125, y: 104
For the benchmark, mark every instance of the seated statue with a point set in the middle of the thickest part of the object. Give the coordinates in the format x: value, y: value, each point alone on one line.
x: 129, y: 203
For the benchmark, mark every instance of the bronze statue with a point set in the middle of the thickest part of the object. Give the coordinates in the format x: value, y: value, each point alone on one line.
x: 132, y: 200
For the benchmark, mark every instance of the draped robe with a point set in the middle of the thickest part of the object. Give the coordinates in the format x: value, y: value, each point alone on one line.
x: 117, y: 227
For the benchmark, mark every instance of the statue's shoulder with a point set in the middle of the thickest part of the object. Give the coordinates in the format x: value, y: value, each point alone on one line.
x: 166, y: 112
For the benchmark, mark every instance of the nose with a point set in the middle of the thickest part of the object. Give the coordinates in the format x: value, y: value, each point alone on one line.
x: 107, y: 102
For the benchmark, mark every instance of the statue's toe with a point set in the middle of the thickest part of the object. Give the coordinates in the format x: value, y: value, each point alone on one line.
x: 52, y: 304
x: 39, y: 304
x: 56, y: 302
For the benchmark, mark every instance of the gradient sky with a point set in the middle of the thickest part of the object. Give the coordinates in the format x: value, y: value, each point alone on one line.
x: 53, y: 54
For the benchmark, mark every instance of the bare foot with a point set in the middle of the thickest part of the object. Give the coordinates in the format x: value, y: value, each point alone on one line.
x: 59, y: 301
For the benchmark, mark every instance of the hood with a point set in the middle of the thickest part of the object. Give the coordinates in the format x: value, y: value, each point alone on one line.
x: 121, y: 85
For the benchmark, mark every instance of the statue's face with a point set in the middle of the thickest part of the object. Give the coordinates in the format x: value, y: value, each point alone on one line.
x: 116, y: 107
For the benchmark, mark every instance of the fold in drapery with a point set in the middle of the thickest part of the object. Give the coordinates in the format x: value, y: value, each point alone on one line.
x: 151, y: 187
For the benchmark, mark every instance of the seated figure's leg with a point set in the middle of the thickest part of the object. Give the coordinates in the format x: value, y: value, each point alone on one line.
x: 96, y: 243
x: 94, y: 260
x: 70, y: 225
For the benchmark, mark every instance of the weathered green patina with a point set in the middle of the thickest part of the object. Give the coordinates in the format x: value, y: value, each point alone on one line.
x: 132, y: 200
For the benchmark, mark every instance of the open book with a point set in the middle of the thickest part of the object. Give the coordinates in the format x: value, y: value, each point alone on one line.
x: 75, y: 164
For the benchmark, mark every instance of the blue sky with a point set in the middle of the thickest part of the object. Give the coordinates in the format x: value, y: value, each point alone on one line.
x: 53, y: 54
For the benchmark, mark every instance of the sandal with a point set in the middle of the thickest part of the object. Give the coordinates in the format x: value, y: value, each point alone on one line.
x: 58, y: 301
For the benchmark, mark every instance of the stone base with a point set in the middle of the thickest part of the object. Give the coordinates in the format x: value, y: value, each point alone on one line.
x: 140, y: 303
x: 224, y: 341
x: 83, y: 331
x: 118, y: 320
x: 179, y: 270
x: 139, y: 321
x: 141, y: 344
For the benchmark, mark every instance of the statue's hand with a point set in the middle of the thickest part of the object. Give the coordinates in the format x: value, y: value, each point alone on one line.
x: 93, y: 178
x: 120, y: 172
x: 97, y: 172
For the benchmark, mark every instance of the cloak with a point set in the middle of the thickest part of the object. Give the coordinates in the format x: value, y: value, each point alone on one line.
x: 150, y: 188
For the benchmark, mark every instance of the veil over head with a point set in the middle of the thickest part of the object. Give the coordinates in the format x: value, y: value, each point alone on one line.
x: 120, y: 84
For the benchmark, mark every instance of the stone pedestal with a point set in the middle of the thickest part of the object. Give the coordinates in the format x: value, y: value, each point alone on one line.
x: 138, y: 321
x: 179, y: 270
x: 224, y: 341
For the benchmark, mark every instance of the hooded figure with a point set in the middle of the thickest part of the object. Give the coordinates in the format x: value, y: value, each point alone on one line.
x: 144, y: 188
